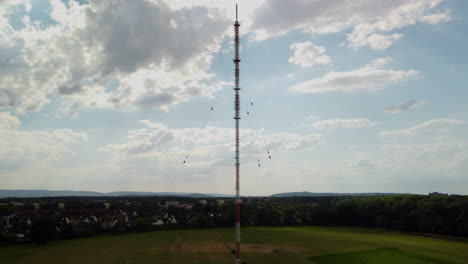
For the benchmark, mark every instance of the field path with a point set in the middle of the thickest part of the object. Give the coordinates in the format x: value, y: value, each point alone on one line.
x: 226, y: 245
x: 178, y: 252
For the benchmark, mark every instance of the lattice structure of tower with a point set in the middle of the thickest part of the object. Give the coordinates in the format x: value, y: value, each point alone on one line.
x: 237, y: 118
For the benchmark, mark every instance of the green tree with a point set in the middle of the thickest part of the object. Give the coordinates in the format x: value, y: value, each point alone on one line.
x: 43, y: 230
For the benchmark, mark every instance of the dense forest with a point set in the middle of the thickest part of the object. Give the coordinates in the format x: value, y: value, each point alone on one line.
x: 434, y: 213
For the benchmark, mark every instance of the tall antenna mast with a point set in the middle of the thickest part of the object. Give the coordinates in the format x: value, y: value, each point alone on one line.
x: 237, y: 118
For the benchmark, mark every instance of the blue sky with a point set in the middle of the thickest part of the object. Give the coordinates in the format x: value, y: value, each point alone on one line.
x: 111, y: 96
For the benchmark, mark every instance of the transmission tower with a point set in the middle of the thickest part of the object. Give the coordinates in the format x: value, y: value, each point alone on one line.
x: 237, y: 118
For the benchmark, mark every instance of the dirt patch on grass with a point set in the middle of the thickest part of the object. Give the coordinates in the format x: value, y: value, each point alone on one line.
x: 268, y: 248
x: 204, y: 247
x: 217, y: 247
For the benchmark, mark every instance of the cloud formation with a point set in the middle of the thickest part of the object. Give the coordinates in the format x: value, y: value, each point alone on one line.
x: 307, y: 54
x: 371, y: 77
x: 371, y: 21
x: 125, y: 54
x: 20, y: 149
x: 431, y: 125
x: 158, y: 137
x: 158, y: 151
x: 331, y: 124
x: 363, y: 35
x: 405, y: 106
x: 154, y: 54
x: 8, y: 121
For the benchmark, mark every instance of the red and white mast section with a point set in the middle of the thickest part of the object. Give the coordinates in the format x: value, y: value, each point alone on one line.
x: 237, y: 118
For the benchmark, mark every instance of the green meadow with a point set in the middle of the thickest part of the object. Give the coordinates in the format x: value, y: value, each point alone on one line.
x: 320, y: 245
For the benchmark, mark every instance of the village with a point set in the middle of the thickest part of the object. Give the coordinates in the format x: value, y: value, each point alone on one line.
x: 39, y: 220
x: 75, y: 217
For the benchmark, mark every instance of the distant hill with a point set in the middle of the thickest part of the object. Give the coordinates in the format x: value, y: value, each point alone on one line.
x: 63, y: 193
x: 311, y: 194
x: 45, y: 193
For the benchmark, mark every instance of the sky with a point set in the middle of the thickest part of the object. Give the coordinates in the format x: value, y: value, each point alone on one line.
x: 346, y: 96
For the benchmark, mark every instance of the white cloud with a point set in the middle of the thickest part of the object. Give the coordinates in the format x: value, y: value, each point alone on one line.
x: 432, y: 165
x: 156, y: 54
x: 246, y: 9
x: 382, y: 42
x: 5, y: 5
x: 436, y: 18
x: 368, y: 78
x: 280, y: 142
x: 363, y: 36
x: 158, y: 151
x: 307, y: 54
x: 101, y: 54
x: 431, y: 125
x: 8, y: 121
x: 20, y: 149
x: 434, y: 162
x: 277, y: 17
x: 405, y: 106
x: 158, y: 137
x: 331, y: 124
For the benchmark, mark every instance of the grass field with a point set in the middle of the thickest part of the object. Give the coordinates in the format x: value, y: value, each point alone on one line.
x: 309, y: 245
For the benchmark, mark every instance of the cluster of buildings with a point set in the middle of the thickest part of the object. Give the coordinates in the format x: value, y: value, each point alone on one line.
x: 17, y: 217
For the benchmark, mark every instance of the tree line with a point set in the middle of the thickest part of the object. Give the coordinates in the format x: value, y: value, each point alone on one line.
x: 435, y: 213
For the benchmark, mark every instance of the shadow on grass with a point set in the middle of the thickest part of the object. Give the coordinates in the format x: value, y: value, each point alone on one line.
x: 378, y: 256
